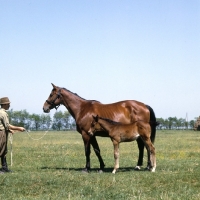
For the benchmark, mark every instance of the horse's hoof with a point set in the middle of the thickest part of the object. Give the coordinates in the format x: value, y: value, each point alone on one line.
x: 153, y: 169
x: 137, y: 168
x: 85, y: 170
x: 100, y: 171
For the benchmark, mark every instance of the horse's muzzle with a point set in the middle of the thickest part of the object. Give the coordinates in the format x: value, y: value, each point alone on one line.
x: 90, y: 133
x: 46, y: 110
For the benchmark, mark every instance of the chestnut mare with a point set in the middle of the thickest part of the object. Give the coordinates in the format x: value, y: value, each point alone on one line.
x: 82, y: 111
x: 119, y: 132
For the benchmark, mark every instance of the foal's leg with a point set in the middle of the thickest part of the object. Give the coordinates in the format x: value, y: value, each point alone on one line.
x: 151, y: 154
x: 116, y: 156
x: 153, y: 157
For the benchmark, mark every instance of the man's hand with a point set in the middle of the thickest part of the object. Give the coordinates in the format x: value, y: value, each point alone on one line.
x: 11, y: 131
x: 14, y: 129
x: 22, y: 129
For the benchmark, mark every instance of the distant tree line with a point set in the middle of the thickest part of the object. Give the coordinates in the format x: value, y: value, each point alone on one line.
x: 64, y: 121
x: 175, y: 123
x: 60, y: 121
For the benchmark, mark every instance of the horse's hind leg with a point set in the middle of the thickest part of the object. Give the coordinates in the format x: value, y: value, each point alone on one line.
x: 116, y: 156
x: 140, y: 144
x: 97, y: 152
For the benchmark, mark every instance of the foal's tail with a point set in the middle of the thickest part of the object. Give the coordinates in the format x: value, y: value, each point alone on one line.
x: 153, y: 123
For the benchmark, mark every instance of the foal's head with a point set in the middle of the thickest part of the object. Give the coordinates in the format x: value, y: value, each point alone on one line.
x: 95, y: 126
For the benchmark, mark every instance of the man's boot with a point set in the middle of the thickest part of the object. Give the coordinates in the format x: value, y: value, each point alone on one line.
x: 4, y: 165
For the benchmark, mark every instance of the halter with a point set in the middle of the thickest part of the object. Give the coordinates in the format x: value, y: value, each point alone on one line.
x: 53, y: 102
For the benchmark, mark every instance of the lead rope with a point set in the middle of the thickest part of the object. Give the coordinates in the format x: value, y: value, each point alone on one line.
x: 36, y: 138
x: 11, y: 141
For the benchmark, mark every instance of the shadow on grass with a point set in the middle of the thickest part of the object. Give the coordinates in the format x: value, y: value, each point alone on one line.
x: 106, y: 170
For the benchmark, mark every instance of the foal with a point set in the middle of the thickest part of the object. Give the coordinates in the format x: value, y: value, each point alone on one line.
x: 125, y: 133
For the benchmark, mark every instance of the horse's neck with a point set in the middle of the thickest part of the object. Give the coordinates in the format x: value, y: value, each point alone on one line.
x: 72, y: 102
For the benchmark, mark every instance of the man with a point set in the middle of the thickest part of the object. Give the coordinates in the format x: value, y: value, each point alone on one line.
x: 5, y: 128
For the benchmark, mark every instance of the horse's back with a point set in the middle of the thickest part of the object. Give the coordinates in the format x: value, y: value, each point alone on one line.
x: 126, y: 111
x: 123, y: 111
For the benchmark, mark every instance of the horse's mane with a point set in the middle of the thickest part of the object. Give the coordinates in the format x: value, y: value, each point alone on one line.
x: 78, y: 95
x: 110, y: 121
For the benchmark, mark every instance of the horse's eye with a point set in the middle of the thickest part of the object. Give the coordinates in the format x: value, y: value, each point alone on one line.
x: 92, y: 125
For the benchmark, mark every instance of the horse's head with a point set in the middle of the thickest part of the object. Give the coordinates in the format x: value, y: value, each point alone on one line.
x: 54, y: 99
x: 95, y: 126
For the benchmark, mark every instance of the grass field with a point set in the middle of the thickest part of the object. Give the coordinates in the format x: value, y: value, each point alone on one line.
x: 50, y: 168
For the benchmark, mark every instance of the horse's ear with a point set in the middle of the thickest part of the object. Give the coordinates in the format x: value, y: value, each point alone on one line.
x: 53, y: 85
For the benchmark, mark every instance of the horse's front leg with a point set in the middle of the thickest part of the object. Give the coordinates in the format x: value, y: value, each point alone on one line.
x: 97, y: 152
x: 86, y: 140
x: 116, y: 156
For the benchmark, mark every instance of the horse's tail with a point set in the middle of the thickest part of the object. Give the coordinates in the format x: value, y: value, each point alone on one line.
x: 153, y: 123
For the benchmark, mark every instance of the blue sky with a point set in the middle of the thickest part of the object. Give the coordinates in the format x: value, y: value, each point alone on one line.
x: 104, y: 50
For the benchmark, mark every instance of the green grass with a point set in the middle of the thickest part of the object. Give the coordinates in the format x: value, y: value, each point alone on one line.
x: 50, y: 168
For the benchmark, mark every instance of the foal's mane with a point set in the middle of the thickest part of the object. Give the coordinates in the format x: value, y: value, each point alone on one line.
x: 78, y: 95
x: 110, y: 121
